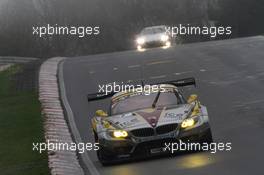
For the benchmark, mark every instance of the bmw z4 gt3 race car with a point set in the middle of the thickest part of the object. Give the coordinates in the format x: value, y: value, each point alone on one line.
x: 154, y: 36
x: 139, y: 124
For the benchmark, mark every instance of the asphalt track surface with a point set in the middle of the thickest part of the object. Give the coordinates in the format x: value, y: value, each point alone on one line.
x: 230, y: 78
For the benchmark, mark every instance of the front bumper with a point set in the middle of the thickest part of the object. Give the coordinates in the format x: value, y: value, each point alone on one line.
x: 143, y: 146
x: 153, y: 44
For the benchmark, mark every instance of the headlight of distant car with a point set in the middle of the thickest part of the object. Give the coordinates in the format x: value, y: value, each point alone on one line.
x: 119, y: 134
x: 164, y: 38
x: 141, y: 41
x: 188, y: 123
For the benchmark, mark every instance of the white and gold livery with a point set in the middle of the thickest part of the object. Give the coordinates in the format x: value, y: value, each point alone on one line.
x: 139, y: 124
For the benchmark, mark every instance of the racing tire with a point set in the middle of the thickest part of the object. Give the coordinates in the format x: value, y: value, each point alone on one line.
x: 103, y: 157
x: 207, y: 138
x: 95, y: 136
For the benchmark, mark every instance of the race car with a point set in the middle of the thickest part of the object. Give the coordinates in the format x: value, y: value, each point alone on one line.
x: 154, y: 36
x: 140, y: 121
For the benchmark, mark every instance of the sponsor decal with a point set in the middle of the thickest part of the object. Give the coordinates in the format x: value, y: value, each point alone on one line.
x: 172, y: 115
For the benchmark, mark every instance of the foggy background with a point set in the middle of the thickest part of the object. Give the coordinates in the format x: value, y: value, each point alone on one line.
x: 119, y: 21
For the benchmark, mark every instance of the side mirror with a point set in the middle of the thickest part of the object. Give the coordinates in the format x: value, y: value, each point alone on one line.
x: 192, y: 98
x: 101, y: 113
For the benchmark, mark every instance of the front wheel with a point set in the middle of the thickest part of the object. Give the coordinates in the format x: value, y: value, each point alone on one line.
x: 95, y: 136
x: 207, y: 138
x: 103, y: 157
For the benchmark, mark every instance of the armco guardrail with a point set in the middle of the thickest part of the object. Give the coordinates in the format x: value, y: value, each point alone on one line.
x: 61, y: 162
x: 9, y: 59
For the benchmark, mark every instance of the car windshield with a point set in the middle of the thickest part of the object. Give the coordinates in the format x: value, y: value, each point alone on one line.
x: 147, y: 31
x: 153, y: 30
x: 141, y: 101
x: 159, y: 30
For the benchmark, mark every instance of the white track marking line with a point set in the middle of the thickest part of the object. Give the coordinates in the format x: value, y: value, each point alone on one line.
x: 180, y: 73
x: 133, y: 66
x: 160, y: 62
x: 158, y: 77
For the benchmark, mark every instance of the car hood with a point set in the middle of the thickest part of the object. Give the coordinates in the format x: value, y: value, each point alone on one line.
x: 150, y: 117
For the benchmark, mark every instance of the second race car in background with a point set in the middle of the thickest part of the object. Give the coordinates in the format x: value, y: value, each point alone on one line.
x: 154, y: 36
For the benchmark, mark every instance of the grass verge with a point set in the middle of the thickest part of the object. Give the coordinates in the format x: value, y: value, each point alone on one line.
x: 20, y: 126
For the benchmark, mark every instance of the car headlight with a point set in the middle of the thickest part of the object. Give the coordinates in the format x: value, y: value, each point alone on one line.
x: 188, y: 123
x: 119, y: 134
x: 140, y: 41
x: 164, y: 38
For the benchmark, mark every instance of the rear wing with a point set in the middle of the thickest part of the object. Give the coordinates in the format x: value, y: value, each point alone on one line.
x: 178, y: 83
x: 99, y: 96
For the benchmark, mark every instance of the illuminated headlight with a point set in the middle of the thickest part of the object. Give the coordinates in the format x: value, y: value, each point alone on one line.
x: 187, y: 123
x: 168, y: 44
x: 164, y: 38
x: 140, y: 41
x: 120, y: 134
